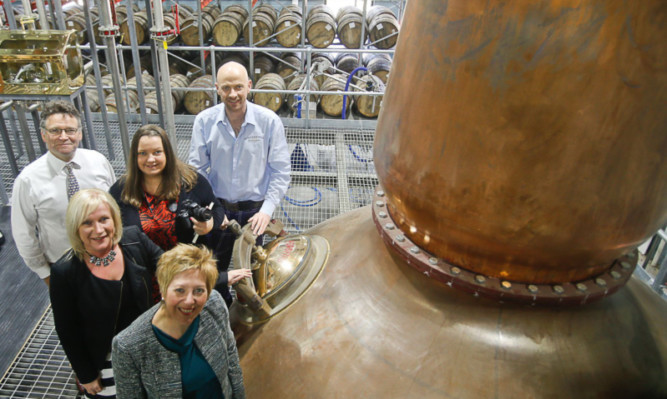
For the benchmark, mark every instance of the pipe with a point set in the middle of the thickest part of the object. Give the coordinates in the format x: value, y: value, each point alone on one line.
x: 347, y: 84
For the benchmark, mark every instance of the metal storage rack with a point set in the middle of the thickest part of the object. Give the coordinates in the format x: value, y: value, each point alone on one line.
x: 115, y: 54
x: 344, y: 143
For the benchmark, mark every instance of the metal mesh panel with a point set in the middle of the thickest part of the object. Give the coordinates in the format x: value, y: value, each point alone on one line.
x: 41, y: 369
x: 332, y: 172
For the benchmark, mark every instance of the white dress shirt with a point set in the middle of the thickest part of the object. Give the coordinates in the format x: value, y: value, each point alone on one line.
x: 254, y: 166
x: 39, y: 204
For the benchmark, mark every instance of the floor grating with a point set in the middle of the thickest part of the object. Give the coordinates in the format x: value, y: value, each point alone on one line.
x: 41, y: 369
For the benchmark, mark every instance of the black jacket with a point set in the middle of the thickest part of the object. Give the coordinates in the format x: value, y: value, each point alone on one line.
x: 201, y: 193
x: 85, y: 323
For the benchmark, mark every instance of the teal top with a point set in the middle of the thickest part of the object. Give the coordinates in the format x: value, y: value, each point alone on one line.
x: 197, y: 376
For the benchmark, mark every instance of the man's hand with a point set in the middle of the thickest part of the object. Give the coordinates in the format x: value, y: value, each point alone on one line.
x: 235, y: 275
x: 225, y: 223
x: 201, y: 228
x: 258, y: 222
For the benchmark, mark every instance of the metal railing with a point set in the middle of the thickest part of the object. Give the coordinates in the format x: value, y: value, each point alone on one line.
x: 655, y: 258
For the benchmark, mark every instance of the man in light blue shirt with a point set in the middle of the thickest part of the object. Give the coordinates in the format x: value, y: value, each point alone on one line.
x: 241, y: 149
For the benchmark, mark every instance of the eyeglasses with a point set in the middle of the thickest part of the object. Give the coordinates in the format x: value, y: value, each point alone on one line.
x: 57, y: 131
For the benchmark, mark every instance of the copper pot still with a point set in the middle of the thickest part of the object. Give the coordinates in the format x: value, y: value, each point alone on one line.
x: 526, y: 140
x: 520, y: 140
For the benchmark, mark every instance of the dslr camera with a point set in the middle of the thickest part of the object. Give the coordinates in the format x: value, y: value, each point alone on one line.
x: 192, y: 209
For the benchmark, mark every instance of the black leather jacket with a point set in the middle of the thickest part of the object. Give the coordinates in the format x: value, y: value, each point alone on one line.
x: 85, y: 310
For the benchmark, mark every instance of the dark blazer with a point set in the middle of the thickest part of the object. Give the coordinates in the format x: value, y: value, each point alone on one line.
x: 201, y: 193
x: 144, y: 368
x: 85, y: 325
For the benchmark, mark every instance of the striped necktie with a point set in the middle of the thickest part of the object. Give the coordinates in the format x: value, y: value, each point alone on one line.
x: 72, y: 184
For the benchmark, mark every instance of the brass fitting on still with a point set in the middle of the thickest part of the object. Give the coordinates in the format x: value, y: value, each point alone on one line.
x: 246, y: 254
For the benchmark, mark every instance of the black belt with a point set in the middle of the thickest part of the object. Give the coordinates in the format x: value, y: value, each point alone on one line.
x: 241, y: 205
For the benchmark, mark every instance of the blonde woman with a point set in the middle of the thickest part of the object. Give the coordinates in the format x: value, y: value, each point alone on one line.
x: 183, y: 347
x: 99, y: 286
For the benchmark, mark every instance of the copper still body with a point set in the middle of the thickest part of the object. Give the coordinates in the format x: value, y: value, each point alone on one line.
x: 537, y: 130
x: 520, y: 142
x: 371, y: 326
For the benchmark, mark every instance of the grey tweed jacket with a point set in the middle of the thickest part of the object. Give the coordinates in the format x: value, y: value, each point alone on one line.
x: 143, y: 368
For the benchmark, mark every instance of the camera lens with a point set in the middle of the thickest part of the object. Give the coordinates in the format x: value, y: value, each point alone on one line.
x: 202, y: 214
x: 197, y: 211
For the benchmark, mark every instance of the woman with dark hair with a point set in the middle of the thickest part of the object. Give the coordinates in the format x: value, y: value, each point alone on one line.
x: 99, y: 286
x: 167, y: 198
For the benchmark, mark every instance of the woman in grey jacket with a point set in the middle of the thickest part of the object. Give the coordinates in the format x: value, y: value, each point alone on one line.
x: 183, y: 347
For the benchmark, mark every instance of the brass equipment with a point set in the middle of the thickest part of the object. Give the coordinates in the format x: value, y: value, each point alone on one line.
x: 282, y: 272
x: 40, y: 62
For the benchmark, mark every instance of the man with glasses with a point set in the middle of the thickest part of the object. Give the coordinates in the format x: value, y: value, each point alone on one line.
x: 42, y: 189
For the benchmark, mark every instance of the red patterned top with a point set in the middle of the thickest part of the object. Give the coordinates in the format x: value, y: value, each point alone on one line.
x: 157, y: 221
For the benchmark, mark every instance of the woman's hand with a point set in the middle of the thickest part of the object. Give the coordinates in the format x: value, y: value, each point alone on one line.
x: 202, y: 228
x: 235, y: 275
x: 93, y: 387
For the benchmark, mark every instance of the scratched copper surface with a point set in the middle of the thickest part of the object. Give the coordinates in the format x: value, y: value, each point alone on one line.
x: 526, y: 140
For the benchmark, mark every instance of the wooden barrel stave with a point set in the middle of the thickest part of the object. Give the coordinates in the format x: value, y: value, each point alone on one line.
x: 110, y: 101
x: 290, y: 67
x: 349, y: 30
x: 197, y: 101
x: 288, y: 30
x: 140, y: 26
x: 290, y: 9
x: 383, y: 31
x: 380, y: 67
x: 369, y: 106
x: 263, y: 64
x: 320, y: 30
x: 147, y: 82
x: 332, y: 104
x: 227, y: 29
x: 170, y: 23
x: 93, y: 100
x: 190, y: 29
x: 262, y: 29
x: 324, y: 66
x: 272, y: 101
x: 178, y: 80
x: 347, y: 62
x: 78, y: 23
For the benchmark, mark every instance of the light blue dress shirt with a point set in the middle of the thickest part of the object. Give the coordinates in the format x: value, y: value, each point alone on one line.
x: 254, y: 166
